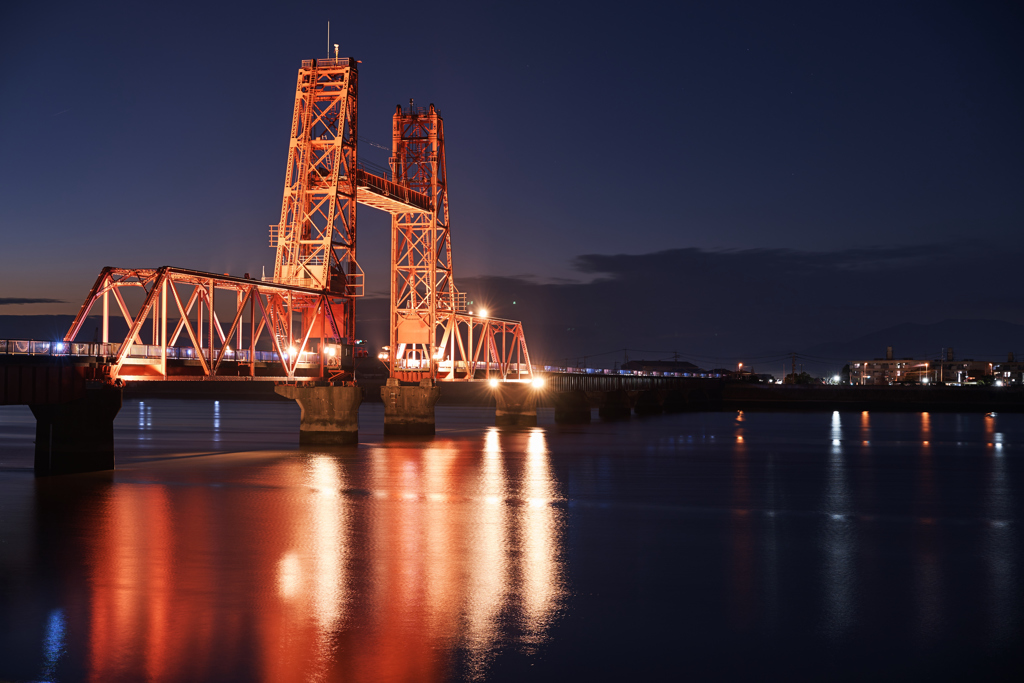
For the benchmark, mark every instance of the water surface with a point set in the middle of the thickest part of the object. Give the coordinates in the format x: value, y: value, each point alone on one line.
x: 706, y: 545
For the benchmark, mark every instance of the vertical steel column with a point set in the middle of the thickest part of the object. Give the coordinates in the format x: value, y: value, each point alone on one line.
x: 163, y: 325
x: 212, y: 335
x: 106, y: 312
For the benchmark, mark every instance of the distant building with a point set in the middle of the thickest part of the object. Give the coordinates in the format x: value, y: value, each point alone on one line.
x: 661, y: 366
x: 1010, y: 372
x: 891, y: 370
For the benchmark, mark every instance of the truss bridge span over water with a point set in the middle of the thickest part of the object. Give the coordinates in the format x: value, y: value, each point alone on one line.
x: 307, y: 307
x: 210, y: 326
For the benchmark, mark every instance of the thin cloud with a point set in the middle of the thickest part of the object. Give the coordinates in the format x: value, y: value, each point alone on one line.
x: 17, y: 301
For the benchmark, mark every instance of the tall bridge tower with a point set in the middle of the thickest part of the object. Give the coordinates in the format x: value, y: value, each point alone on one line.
x: 316, y: 235
x: 422, y: 290
x: 432, y: 335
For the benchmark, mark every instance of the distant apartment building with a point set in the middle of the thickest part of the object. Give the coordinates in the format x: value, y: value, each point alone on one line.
x: 1010, y: 372
x: 890, y: 370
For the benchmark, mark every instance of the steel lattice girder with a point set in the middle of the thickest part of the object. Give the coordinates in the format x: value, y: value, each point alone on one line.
x: 271, y: 308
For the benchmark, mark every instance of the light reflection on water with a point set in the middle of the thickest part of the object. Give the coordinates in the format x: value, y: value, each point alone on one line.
x: 840, y: 550
x: 486, y: 553
x: 453, y: 538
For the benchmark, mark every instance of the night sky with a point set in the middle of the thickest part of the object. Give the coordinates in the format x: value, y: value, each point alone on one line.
x: 715, y: 180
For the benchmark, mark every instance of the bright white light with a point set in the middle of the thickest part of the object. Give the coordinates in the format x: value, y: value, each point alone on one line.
x: 924, y: 381
x: 331, y: 351
x: 483, y: 312
x: 493, y: 382
x: 836, y: 379
x: 292, y: 351
x: 538, y: 382
x: 59, y: 346
x: 999, y: 382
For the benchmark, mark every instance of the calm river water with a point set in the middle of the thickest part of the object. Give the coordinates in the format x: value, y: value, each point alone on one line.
x: 705, y: 546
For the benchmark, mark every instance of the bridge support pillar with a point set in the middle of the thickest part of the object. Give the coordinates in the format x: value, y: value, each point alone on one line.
x: 330, y: 415
x: 572, y: 407
x: 675, y: 401
x: 615, y: 405
x: 648, y: 402
x: 77, y: 436
x: 409, y: 411
x: 516, y: 405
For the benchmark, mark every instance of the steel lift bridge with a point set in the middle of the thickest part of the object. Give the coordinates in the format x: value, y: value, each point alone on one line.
x: 307, y: 308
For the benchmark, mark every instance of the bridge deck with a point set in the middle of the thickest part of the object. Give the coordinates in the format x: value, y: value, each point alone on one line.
x: 386, y: 195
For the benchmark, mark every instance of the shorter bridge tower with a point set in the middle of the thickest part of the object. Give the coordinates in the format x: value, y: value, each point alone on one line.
x: 433, y: 337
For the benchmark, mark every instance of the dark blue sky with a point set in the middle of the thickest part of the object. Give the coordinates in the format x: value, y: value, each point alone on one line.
x: 146, y: 134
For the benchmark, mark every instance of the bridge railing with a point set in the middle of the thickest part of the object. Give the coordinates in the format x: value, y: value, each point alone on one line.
x: 34, y: 347
x: 392, y: 189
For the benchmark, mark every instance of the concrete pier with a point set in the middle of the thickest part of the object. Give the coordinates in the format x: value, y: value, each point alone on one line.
x: 77, y: 436
x: 571, y: 407
x: 409, y: 410
x: 515, y: 405
x: 615, y: 405
x: 330, y: 415
x: 648, y: 402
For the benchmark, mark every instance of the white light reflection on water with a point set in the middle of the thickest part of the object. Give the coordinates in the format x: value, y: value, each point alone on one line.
x: 328, y: 531
x: 1000, y: 542
x: 55, y: 644
x: 771, y: 549
x: 539, y: 532
x: 216, y: 421
x: 145, y: 422
x: 488, y: 579
x: 840, y: 571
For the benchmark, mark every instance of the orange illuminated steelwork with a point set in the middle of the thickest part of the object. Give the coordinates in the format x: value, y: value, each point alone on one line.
x: 316, y: 276
x: 316, y: 235
x: 259, y: 308
x: 431, y: 334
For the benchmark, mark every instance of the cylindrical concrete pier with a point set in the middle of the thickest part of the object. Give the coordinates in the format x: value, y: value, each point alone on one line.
x: 77, y: 436
x: 515, y: 404
x: 571, y: 407
x: 615, y: 405
x: 409, y: 410
x: 648, y: 402
x: 330, y: 414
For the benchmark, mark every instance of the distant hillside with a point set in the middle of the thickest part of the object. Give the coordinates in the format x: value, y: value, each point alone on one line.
x: 52, y: 327
x: 980, y: 339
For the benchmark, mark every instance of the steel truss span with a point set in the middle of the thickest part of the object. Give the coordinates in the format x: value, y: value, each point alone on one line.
x: 181, y: 305
x: 316, y: 275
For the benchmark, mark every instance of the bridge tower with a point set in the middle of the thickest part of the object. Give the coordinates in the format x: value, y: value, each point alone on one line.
x: 423, y: 293
x: 316, y: 236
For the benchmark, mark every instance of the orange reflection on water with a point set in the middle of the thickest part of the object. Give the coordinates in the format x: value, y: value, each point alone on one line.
x: 373, y: 570
x: 742, y: 540
x: 541, y: 586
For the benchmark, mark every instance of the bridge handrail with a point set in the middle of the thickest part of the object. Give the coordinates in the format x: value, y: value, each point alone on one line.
x: 392, y: 189
x: 35, y: 347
